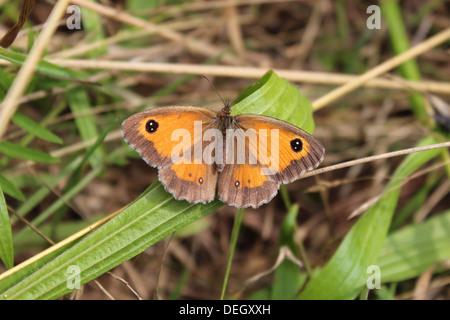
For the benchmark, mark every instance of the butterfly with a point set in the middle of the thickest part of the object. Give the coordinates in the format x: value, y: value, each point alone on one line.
x: 200, y: 152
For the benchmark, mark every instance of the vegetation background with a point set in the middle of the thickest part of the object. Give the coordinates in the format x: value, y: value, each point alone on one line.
x: 64, y: 164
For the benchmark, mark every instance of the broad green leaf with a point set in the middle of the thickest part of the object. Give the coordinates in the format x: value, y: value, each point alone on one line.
x: 276, y: 97
x: 116, y: 241
x: 150, y: 218
x: 35, y: 128
x: 6, y: 244
x: 407, y: 253
x: 11, y: 189
x: 18, y: 151
x: 346, y: 272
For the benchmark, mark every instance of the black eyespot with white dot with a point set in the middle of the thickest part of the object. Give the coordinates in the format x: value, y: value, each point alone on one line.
x: 296, y: 145
x: 151, y: 126
x: 237, y: 184
x: 200, y: 180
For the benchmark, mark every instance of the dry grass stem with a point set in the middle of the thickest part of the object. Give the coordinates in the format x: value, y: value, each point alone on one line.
x: 246, y: 72
x: 21, y: 81
x: 382, y: 68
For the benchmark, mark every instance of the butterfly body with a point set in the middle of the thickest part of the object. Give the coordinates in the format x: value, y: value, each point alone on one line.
x: 199, y: 152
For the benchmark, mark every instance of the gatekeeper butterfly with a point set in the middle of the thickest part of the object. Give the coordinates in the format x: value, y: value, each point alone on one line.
x: 245, y: 157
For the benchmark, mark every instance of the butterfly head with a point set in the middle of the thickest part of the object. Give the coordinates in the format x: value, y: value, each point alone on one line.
x: 226, y: 110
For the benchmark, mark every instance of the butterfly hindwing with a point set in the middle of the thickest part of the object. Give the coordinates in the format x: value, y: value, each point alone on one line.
x: 192, y: 182
x: 243, y: 185
x: 242, y: 182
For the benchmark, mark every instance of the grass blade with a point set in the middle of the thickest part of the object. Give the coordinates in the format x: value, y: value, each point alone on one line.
x: 34, y: 128
x: 79, y: 104
x: 11, y: 189
x: 400, y: 43
x: 25, y: 153
x: 233, y: 241
x: 6, y: 243
x: 44, y: 67
x: 288, y: 278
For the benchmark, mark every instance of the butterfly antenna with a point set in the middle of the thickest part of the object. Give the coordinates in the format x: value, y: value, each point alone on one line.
x: 217, y: 91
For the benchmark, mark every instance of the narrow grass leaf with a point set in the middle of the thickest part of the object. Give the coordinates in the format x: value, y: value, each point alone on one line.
x: 233, y: 241
x: 6, y: 243
x: 288, y: 278
x: 25, y: 153
x: 43, y: 67
x: 35, y: 128
x: 77, y: 173
x: 400, y: 43
x: 11, y: 189
x: 79, y: 104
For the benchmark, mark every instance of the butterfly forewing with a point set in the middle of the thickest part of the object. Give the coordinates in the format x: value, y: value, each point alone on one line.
x: 284, y: 151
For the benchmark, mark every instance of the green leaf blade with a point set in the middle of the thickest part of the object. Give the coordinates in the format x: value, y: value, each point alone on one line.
x: 407, y: 253
x: 6, y: 243
x: 118, y: 240
x: 11, y: 189
x: 34, y: 128
x: 275, y: 97
x: 20, y: 152
x: 345, y: 273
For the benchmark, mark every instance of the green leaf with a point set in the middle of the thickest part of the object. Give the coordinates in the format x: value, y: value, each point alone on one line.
x: 345, y: 273
x: 150, y: 218
x: 11, y: 189
x: 392, y: 12
x: 288, y: 278
x: 43, y: 67
x: 34, y: 128
x: 407, y: 253
x: 18, y: 151
x: 116, y: 241
x: 78, y: 101
x: 275, y: 97
x: 6, y: 244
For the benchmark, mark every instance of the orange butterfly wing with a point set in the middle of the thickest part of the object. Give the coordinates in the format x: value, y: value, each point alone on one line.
x: 285, y: 151
x: 281, y: 153
x: 153, y: 133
